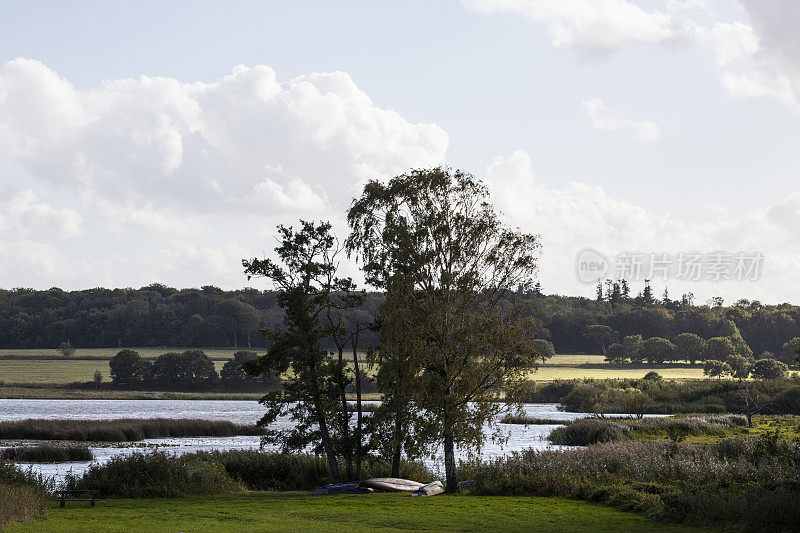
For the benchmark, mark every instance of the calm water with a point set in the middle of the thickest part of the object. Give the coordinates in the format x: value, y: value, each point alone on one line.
x: 243, y: 412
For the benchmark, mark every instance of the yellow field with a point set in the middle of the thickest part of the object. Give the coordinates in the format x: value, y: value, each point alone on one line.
x: 58, y: 371
x: 548, y: 373
x: 108, y: 353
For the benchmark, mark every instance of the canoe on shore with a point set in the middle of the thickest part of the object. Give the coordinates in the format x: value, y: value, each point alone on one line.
x: 392, y: 484
x: 342, y: 488
x: 431, y: 489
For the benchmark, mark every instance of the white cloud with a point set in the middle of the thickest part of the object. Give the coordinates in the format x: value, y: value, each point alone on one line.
x: 578, y: 216
x: 206, y: 146
x: 24, y: 215
x: 589, y: 25
x: 159, y: 173
x: 607, y: 119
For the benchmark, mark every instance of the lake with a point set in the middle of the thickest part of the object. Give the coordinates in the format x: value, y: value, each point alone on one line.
x: 519, y: 437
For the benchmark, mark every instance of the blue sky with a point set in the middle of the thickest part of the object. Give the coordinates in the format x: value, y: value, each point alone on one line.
x: 658, y: 126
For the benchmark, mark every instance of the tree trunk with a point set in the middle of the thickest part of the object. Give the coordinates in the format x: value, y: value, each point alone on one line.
x: 330, y: 453
x: 348, y: 448
x: 235, y: 340
x: 451, y: 481
x: 397, y: 445
x: 358, y: 408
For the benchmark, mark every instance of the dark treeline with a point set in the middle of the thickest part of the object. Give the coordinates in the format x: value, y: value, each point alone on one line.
x: 157, y: 315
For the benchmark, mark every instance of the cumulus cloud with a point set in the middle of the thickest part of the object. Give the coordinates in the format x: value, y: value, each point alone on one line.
x: 206, y: 146
x: 607, y: 119
x: 159, y: 173
x: 593, y: 26
x: 22, y: 214
x: 577, y: 216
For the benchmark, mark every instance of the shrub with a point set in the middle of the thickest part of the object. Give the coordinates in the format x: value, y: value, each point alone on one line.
x: 154, y: 475
x: 769, y: 369
x: 158, y: 474
x: 586, y: 431
x: 47, y: 453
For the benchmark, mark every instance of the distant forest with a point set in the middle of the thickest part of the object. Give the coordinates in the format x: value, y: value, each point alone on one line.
x: 157, y: 315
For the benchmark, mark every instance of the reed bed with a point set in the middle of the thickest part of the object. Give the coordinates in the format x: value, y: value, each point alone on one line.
x: 530, y: 420
x: 46, y: 453
x: 122, y: 430
x: 23, y: 495
x: 747, y: 483
x: 586, y: 431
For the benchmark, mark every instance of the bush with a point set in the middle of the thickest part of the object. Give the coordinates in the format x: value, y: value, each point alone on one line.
x: 47, y: 453
x: 154, y: 475
x: 586, y: 431
x: 158, y: 474
x: 122, y: 430
x: 23, y: 495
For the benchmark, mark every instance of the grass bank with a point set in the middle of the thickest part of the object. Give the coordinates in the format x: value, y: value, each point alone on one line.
x: 121, y: 430
x: 260, y: 512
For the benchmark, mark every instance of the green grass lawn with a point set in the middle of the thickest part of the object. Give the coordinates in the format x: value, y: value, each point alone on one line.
x: 262, y: 511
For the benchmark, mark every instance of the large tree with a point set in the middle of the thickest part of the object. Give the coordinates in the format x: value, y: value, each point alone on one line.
x: 436, y: 229
x: 305, y: 278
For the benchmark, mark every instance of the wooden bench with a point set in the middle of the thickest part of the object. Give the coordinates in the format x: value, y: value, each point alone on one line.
x: 64, y: 496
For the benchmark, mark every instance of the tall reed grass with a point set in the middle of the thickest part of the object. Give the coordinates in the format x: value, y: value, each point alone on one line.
x: 46, y: 453
x: 125, y: 430
x: 23, y: 495
x: 750, y: 483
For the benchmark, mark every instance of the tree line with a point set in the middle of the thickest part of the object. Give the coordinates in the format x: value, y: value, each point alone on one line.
x: 188, y: 370
x: 157, y: 315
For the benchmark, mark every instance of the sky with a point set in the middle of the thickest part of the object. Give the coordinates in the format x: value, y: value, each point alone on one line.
x: 146, y: 142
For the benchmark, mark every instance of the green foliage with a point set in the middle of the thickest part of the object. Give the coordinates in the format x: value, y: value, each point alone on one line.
x: 307, y: 283
x: 128, y: 367
x: 191, y: 367
x: 689, y: 347
x: 657, y: 350
x: 615, y: 354
x: 769, y: 369
x: 160, y: 474
x: 602, y: 335
x: 585, y: 431
x: 433, y: 235
x: 728, y: 329
x: 713, y: 368
x: 740, y: 366
x: 790, y: 352
x: 154, y: 475
x: 632, y: 348
x: 66, y: 349
x: 544, y: 349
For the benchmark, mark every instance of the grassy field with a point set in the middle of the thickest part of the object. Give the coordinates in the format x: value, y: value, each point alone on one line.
x: 57, y: 372
x: 246, y: 512
x: 28, y: 367
x: 108, y: 353
x: 549, y: 373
